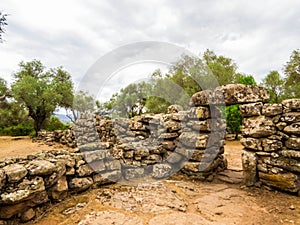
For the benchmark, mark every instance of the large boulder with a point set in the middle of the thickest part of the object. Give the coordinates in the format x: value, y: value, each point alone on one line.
x: 259, y: 126
x: 15, y: 172
x: 40, y: 167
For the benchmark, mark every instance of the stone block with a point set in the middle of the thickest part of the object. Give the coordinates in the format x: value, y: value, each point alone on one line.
x: 14, y: 173
x: 251, y: 109
x: 258, y: 127
x: 272, y: 109
x: 249, y: 162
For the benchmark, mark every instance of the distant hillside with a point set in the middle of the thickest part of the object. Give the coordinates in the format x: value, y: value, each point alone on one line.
x: 63, y: 118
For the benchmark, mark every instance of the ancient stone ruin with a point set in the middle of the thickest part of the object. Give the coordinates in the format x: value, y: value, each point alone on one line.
x: 155, y: 146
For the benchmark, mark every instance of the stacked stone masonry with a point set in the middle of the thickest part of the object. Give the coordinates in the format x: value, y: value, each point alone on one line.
x: 155, y: 146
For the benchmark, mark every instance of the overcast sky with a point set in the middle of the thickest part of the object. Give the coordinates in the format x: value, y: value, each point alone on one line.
x: 258, y: 35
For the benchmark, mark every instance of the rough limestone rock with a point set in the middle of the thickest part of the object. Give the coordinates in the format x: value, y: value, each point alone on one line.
x: 94, y: 155
x: 60, y: 189
x: 162, y: 170
x: 199, y: 113
x: 291, y: 154
x: 283, y: 162
x: 27, y: 215
x: 230, y: 94
x: 283, y: 181
x: 291, y: 117
x: 174, y: 109
x: 252, y: 109
x: 15, y: 172
x: 271, y: 109
x: 80, y: 184
x: 40, y: 167
x: 291, y: 105
x: 249, y: 161
x: 26, y: 189
x: 293, y: 129
x: 252, y: 143
x: 270, y: 145
x: 2, y: 178
x: 84, y: 170
x: 259, y: 126
x: 8, y: 211
x: 293, y: 143
x: 107, y: 177
x: 133, y: 173
x: 239, y: 93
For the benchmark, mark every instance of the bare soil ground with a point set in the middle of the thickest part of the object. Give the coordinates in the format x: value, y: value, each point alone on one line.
x: 177, y: 200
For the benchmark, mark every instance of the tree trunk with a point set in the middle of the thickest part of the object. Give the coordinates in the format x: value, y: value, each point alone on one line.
x: 38, y: 122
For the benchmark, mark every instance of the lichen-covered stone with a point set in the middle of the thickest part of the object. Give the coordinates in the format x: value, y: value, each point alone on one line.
x: 80, y: 184
x: 199, y: 113
x: 162, y: 170
x: 27, y: 215
x: 8, y: 211
x: 291, y: 153
x: 270, y: 145
x: 15, y: 172
x: 174, y: 109
x: 133, y: 173
x: 257, y: 127
x: 239, y: 93
x: 60, y: 190
x: 2, y: 178
x: 271, y: 109
x: 251, y: 109
x: 283, y: 162
x: 26, y: 189
x: 252, y: 143
x: 291, y: 105
x: 291, y: 117
x: 293, y: 129
x: 283, y: 181
x: 293, y: 143
x: 40, y: 167
x: 249, y: 161
x: 84, y: 170
x: 107, y: 177
x: 91, y: 156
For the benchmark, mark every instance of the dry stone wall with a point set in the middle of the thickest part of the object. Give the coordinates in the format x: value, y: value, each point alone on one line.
x: 146, y: 147
x: 153, y: 147
x: 271, y: 137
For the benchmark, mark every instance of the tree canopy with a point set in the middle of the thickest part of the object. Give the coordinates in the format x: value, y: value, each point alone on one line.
x: 3, y: 23
x: 292, y: 76
x: 42, y: 91
x: 274, y: 83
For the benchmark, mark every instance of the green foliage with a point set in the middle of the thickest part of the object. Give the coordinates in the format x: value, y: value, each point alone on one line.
x: 292, y: 73
x: 40, y: 91
x: 274, y: 83
x: 233, y: 119
x: 3, y: 23
x: 83, y: 103
x: 22, y: 129
x: 54, y: 123
x: 245, y: 79
x: 223, y: 68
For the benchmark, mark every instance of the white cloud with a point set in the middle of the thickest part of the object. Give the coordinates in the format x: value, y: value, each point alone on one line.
x: 258, y: 35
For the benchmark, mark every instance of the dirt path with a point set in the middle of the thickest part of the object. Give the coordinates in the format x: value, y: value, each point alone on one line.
x: 22, y: 146
x: 178, y: 200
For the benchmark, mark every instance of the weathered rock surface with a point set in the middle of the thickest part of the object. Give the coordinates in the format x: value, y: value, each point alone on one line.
x: 40, y: 167
x: 14, y: 172
x: 249, y: 161
x: 293, y: 143
x: 259, y: 126
x: 80, y: 184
